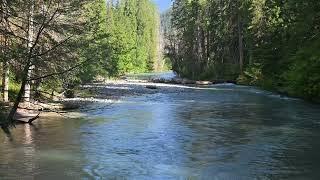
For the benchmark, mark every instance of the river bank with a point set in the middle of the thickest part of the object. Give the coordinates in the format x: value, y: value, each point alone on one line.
x: 107, y: 91
x: 274, y: 89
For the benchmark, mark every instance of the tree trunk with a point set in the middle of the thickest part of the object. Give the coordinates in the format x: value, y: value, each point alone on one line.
x: 19, y: 97
x: 27, y: 87
x: 5, y: 82
x: 25, y: 84
x: 240, y: 48
x: 250, y: 58
x: 36, y: 84
x: 5, y: 63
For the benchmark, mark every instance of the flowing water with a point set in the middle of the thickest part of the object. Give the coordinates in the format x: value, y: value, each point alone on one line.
x: 220, y: 132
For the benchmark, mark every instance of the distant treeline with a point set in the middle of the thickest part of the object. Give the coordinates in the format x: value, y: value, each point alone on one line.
x: 273, y: 44
x: 125, y: 34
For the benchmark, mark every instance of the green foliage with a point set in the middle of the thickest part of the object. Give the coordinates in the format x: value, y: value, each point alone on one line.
x: 252, y: 76
x: 14, y: 88
x: 303, y: 77
x: 121, y: 38
x: 167, y: 64
x: 132, y: 26
x: 283, y: 38
x: 280, y: 43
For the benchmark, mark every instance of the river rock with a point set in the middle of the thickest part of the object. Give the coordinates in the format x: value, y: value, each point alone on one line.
x: 188, y: 81
x: 203, y: 82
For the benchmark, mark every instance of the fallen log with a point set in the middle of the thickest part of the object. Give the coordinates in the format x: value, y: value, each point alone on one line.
x: 34, y: 118
x: 25, y: 118
x: 5, y: 125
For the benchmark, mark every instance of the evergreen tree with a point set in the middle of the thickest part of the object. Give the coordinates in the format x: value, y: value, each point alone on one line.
x: 263, y: 42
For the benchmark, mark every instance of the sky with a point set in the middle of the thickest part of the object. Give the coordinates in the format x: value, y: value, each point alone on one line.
x: 163, y: 4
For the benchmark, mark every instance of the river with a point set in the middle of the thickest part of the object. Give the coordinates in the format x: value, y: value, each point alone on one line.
x: 217, y: 132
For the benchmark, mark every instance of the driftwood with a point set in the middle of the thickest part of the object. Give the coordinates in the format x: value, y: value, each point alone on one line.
x: 6, y: 127
x: 34, y: 118
x: 28, y: 121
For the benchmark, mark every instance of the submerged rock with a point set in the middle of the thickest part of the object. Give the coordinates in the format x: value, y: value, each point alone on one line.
x: 151, y: 87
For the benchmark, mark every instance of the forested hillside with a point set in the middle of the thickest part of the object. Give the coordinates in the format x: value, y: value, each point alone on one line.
x: 273, y: 44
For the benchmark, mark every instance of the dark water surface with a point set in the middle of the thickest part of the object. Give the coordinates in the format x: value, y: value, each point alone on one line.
x: 223, y: 132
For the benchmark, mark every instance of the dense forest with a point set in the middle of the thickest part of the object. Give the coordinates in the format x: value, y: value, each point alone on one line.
x: 49, y: 47
x: 125, y: 33
x: 267, y: 43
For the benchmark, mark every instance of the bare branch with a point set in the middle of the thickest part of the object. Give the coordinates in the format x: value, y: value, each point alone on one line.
x: 53, y: 48
x: 59, y: 73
